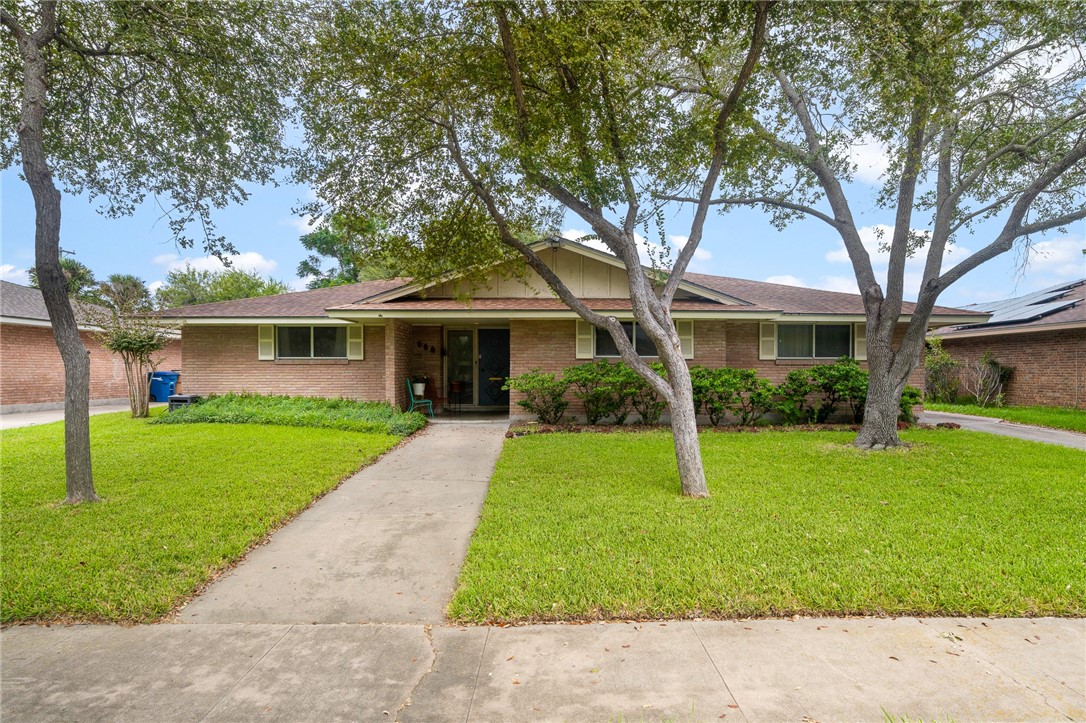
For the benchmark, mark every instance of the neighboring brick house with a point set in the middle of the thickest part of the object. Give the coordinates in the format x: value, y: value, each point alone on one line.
x: 31, y: 370
x: 364, y: 340
x: 1041, y: 336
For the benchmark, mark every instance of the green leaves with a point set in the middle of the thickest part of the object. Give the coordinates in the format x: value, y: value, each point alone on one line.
x: 187, y: 286
x: 181, y: 101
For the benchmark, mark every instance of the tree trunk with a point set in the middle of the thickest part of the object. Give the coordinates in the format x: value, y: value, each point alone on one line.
x: 684, y: 430
x: 884, y: 387
x: 51, y: 280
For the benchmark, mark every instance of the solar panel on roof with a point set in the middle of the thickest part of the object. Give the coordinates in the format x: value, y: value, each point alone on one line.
x: 1033, y: 311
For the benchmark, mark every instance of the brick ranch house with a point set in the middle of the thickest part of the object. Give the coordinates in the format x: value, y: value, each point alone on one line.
x: 31, y: 371
x: 364, y: 340
x: 1041, y: 336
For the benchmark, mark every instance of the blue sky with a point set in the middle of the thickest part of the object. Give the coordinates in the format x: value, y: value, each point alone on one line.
x: 742, y: 243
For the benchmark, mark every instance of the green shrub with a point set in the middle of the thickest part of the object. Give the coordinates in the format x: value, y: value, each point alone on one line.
x: 941, y: 380
x: 755, y: 396
x: 793, y: 398
x: 347, y: 414
x: 910, y: 397
x: 643, y: 397
x: 739, y: 392
x: 603, y: 388
x: 544, y: 394
x: 815, y: 393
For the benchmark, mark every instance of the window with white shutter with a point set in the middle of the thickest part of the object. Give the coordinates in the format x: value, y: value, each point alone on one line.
x: 767, y: 340
x: 586, y: 340
x: 355, y: 347
x: 860, y: 337
x: 685, y: 330
x: 265, y: 335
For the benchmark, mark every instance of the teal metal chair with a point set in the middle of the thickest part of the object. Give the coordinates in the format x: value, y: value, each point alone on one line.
x: 424, y: 404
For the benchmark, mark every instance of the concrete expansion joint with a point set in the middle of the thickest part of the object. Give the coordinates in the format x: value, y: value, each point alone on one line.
x: 252, y: 667
x: 428, y: 631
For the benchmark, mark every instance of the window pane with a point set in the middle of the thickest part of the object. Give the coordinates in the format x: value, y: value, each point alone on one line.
x: 605, y: 345
x: 645, y: 347
x: 794, y: 341
x: 832, y: 341
x: 330, y: 341
x: 293, y: 341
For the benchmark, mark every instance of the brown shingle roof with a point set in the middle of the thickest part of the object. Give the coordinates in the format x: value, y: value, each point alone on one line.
x: 311, y: 303
x: 799, y: 300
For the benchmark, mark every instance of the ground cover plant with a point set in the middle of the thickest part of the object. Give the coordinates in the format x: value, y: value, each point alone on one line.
x: 1054, y: 417
x: 588, y: 526
x: 180, y: 503
x: 346, y: 414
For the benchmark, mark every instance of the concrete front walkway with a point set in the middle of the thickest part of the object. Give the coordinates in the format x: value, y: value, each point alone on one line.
x: 1061, y: 437
x: 385, y: 547
x: 340, y: 617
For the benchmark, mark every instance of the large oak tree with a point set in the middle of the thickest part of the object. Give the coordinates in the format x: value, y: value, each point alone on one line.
x: 474, y: 127
x: 980, y: 108
x: 183, y: 101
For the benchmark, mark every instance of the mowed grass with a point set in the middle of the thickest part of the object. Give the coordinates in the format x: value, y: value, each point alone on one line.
x: 1054, y: 417
x: 586, y: 526
x: 181, y: 503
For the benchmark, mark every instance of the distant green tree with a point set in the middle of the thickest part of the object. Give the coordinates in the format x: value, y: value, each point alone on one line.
x: 354, y: 249
x: 188, y: 286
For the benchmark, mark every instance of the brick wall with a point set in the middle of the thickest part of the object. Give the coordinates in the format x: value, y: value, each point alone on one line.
x: 31, y: 370
x: 426, y: 359
x: 1049, y: 367
x: 220, y: 359
x: 399, y: 340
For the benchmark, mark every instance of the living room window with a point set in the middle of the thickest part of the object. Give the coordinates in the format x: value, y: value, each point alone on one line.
x: 311, y: 342
x: 814, y: 341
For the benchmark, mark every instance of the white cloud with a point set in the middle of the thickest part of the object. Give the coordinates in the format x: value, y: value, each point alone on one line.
x: 247, y: 260
x: 1060, y: 258
x: 155, y: 285
x: 700, y: 254
x: 871, y: 159
x: 14, y: 274
x: 302, y: 224
x: 786, y: 279
x: 842, y: 284
x: 299, y: 284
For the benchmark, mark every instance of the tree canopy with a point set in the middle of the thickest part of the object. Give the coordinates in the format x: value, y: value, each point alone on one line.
x: 356, y: 250
x: 187, y: 286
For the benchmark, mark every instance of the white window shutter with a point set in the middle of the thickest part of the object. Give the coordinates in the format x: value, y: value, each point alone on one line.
x: 355, y: 347
x: 586, y: 340
x: 859, y: 335
x: 265, y: 335
x: 767, y: 340
x: 685, y: 330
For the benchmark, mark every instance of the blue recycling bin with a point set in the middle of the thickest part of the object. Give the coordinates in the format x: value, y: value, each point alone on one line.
x: 163, y: 385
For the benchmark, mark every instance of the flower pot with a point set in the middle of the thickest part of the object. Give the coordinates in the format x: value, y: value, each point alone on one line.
x: 418, y: 388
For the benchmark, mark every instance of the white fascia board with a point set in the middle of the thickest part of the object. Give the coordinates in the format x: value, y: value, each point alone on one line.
x: 257, y: 321
x: 469, y: 314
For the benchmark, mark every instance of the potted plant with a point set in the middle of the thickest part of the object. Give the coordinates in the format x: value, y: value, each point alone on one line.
x: 418, y: 384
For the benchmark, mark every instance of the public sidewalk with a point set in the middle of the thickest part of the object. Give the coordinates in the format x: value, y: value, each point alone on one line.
x: 1062, y: 437
x: 341, y: 617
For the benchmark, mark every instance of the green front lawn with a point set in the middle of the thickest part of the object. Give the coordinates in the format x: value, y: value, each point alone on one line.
x: 181, y: 503
x: 587, y: 526
x: 1054, y: 417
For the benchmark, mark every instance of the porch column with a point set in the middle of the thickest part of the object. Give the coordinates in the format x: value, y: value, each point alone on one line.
x: 397, y: 361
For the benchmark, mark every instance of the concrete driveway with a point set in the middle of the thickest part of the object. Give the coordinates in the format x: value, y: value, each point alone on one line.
x: 991, y: 425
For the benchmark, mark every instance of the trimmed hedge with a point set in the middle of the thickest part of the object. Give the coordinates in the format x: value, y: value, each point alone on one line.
x: 346, y: 414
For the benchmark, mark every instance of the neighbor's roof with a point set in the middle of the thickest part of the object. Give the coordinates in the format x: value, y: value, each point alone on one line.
x: 22, y: 302
x: 1059, y: 306
x: 25, y: 304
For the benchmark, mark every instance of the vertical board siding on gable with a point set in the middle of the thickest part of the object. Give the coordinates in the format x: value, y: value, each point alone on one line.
x: 221, y: 359
x: 32, y: 372
x: 1049, y: 367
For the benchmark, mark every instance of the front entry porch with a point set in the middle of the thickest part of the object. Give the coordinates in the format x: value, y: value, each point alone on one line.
x: 464, y: 366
